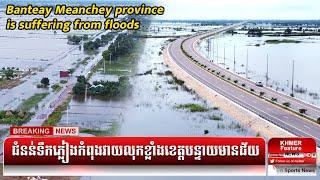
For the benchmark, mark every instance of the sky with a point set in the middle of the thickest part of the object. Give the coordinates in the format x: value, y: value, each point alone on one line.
x: 241, y: 9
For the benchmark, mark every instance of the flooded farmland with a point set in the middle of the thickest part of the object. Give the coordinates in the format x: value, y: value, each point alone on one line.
x: 280, y: 52
x: 151, y: 109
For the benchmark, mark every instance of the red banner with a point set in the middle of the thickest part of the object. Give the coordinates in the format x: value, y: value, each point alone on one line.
x: 134, y: 151
x: 43, y: 131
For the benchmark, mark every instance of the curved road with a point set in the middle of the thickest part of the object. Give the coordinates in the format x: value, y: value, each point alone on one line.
x: 278, y: 116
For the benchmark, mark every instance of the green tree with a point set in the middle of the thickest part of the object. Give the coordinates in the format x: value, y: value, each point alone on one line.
x: 288, y: 31
x: 106, y: 55
x: 45, y: 81
x: 9, y: 73
x: 82, y: 80
x: 79, y: 88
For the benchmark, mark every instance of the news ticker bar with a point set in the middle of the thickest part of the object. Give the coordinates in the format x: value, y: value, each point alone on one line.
x: 46, y: 152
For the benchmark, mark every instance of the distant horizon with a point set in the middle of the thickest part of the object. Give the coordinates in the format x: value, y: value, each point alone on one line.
x: 242, y: 9
x: 204, y: 10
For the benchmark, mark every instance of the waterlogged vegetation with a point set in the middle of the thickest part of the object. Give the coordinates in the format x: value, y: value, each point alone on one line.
x: 63, y: 81
x: 91, y: 47
x: 15, y: 117
x: 278, y: 41
x: 56, y: 87
x: 216, y: 117
x: 32, y: 102
x: 102, y: 88
x: 155, y: 92
x: 192, y: 107
x: 120, y: 58
x: 75, y: 40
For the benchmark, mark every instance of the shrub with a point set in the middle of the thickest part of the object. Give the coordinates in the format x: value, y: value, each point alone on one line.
x: 63, y: 81
x: 215, y: 108
x: 287, y: 104
x: 228, y: 79
x: 235, y: 81
x: 215, y: 118
x: 261, y: 93
x: 41, y: 86
x: 243, y: 85
x: 251, y: 89
x: 318, y: 120
x: 302, y: 111
x: 192, y: 107
x: 168, y: 73
x: 56, y: 87
x: 274, y: 99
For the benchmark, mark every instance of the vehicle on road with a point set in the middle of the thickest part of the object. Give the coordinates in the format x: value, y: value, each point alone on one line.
x: 259, y: 84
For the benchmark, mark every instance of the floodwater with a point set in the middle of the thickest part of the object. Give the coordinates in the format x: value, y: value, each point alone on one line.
x: 33, y: 48
x: 150, y: 110
x: 280, y: 61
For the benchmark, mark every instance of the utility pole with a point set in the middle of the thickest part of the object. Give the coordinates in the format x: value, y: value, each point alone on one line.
x: 267, y: 75
x: 234, y: 58
x: 217, y: 53
x: 213, y: 50
x: 292, y: 90
x: 247, y: 65
x: 110, y: 57
x: 224, y: 55
x: 85, y: 93
x: 104, y: 66
x: 208, y: 47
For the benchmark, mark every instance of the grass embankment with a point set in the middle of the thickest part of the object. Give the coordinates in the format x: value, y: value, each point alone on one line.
x: 112, y: 131
x: 32, y: 102
x: 193, y: 107
x: 277, y: 41
x: 55, y: 117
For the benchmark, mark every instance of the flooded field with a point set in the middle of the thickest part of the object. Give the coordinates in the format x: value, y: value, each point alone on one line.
x: 152, y: 108
x: 32, y: 49
x: 280, y: 52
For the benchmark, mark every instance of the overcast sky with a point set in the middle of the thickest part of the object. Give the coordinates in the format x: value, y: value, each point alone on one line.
x: 241, y: 9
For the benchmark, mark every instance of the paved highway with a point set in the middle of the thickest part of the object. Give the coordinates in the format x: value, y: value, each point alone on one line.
x: 277, y: 115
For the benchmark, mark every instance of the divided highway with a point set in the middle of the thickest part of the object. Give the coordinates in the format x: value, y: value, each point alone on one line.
x: 285, y: 119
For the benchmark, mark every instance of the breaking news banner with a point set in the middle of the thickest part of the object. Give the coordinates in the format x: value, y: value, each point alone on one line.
x: 101, y: 156
x: 292, y: 157
x: 43, y: 131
